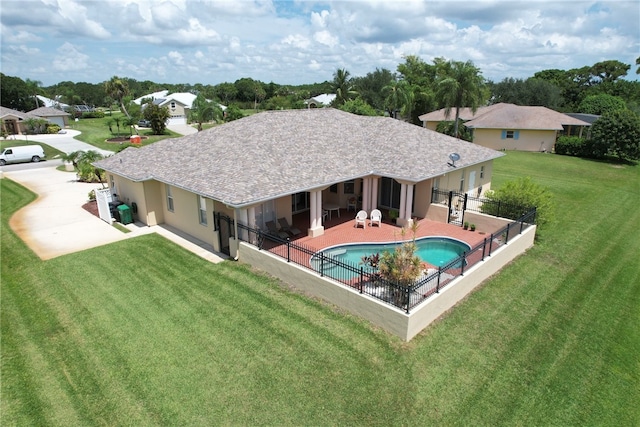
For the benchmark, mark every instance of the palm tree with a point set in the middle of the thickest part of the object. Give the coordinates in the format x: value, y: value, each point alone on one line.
x: 204, y: 110
x: 342, y: 86
x: 33, y: 87
x: 117, y: 89
x: 398, y: 98
x: 459, y: 84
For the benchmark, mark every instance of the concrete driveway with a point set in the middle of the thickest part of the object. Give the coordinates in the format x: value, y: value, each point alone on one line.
x: 56, y: 224
x: 63, y: 142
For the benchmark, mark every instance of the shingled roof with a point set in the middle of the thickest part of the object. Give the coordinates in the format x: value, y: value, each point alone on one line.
x: 508, y: 116
x: 276, y: 153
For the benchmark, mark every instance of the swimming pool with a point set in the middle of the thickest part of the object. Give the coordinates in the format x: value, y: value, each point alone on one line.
x: 437, y: 251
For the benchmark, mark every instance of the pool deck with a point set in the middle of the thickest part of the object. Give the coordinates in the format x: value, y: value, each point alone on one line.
x: 342, y: 230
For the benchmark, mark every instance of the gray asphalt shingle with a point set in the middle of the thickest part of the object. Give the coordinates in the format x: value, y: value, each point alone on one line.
x: 275, y: 153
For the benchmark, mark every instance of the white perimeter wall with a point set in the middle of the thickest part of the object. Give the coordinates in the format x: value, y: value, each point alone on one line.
x: 390, y: 318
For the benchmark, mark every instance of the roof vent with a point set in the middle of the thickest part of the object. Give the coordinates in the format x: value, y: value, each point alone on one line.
x: 454, y: 158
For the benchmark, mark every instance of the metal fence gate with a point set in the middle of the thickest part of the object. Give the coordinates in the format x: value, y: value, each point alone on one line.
x: 226, y: 229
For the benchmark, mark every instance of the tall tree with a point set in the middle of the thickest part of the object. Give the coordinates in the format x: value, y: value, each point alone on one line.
x: 15, y: 93
x: 342, y: 86
x: 370, y: 87
x: 118, y: 89
x: 397, y: 98
x: 420, y: 78
x: 34, y: 88
x: 204, y: 110
x: 459, y: 84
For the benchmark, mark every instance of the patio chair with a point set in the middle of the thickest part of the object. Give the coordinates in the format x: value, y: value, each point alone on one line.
x: 273, y: 230
x: 284, y: 226
x: 376, y: 217
x: 352, y: 202
x: 361, y: 218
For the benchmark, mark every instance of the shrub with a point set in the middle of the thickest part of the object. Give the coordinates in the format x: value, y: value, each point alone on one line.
x: 616, y: 134
x: 232, y: 113
x: 517, y: 197
x: 93, y: 114
x: 53, y: 128
x: 570, y: 146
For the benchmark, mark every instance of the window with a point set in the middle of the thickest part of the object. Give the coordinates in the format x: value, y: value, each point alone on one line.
x: 481, y: 171
x: 510, y: 134
x: 462, y: 182
x: 349, y: 187
x: 333, y: 188
x: 202, y: 210
x: 299, y: 202
x: 169, y: 199
x: 173, y: 105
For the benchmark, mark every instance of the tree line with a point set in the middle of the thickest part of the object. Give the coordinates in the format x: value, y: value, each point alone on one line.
x: 414, y: 88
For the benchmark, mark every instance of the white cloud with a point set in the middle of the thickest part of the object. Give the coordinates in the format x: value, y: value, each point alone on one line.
x: 325, y: 38
x: 69, y: 58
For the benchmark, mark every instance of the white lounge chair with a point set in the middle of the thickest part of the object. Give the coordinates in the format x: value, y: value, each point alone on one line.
x: 376, y: 217
x: 361, y: 218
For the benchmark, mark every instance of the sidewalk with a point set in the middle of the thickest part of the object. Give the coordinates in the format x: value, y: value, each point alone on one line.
x: 56, y: 224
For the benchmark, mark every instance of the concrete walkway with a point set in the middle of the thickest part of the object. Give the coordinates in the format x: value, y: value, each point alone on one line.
x: 56, y: 224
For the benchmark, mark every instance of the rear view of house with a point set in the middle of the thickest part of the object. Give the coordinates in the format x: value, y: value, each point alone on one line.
x: 510, y: 127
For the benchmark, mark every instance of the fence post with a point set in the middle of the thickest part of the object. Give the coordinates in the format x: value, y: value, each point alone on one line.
x: 407, y: 294
x: 438, y: 281
x: 361, y: 277
x: 321, y: 264
x: 449, y: 207
x: 484, y: 248
x: 288, y: 251
x: 462, y: 262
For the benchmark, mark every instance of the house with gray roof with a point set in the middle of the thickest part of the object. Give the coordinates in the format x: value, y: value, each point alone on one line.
x: 511, y: 127
x: 53, y: 115
x: 294, y: 162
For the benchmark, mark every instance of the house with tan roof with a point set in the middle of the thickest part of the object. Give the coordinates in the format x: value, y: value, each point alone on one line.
x: 295, y: 162
x: 511, y: 127
x: 53, y: 115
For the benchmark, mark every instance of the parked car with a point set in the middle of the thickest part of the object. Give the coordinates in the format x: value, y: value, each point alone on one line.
x: 22, y: 153
x: 144, y: 123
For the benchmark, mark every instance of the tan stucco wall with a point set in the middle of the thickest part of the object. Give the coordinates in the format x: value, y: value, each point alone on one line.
x: 389, y: 318
x: 431, y: 125
x: 528, y: 140
x: 422, y: 198
x: 154, y: 196
x: 185, y: 214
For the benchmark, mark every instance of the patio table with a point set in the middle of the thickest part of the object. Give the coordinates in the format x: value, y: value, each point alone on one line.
x: 329, y: 207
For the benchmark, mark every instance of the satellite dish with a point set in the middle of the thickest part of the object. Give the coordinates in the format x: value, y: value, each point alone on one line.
x: 454, y: 158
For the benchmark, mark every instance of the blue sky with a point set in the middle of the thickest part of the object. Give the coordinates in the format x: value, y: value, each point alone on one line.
x: 296, y: 42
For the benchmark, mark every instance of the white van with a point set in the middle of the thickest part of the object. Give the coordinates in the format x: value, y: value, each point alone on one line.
x: 24, y: 153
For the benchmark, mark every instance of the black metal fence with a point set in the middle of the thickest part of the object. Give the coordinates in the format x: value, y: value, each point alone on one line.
x: 367, y: 280
x: 459, y: 203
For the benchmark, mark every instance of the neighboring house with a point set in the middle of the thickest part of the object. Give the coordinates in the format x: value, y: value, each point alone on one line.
x: 53, y: 115
x: 52, y: 103
x: 279, y: 163
x: 510, y: 127
x: 178, y: 103
x: 323, y: 100
x: 13, y: 121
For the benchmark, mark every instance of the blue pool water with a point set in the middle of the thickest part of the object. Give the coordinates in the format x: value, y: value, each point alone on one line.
x: 437, y: 251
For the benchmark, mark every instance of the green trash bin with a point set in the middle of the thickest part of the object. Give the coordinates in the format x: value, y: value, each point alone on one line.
x: 125, y: 214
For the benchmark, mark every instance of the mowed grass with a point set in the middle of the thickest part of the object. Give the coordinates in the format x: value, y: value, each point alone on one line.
x: 144, y: 333
x: 96, y: 132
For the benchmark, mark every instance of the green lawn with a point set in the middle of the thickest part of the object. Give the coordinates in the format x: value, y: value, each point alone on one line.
x: 142, y: 332
x: 96, y: 132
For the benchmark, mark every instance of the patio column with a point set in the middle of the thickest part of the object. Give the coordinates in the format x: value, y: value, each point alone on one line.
x: 365, y: 193
x: 406, y: 202
x: 374, y: 192
x: 315, y: 212
x: 403, y: 199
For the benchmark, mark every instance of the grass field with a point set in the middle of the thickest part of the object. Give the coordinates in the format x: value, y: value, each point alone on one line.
x: 96, y: 132
x: 142, y: 332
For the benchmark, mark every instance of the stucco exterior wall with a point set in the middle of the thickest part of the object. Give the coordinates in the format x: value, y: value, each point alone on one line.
x: 391, y: 319
x: 422, y: 198
x: 153, y: 194
x: 528, y: 140
x: 185, y: 215
x: 431, y: 125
